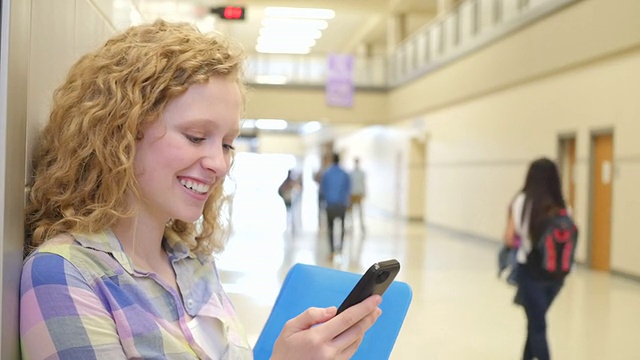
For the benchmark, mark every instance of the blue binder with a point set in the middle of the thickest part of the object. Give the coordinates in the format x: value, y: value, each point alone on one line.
x: 309, y: 285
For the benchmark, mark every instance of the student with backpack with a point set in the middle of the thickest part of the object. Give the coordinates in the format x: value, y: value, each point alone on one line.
x: 289, y: 190
x: 539, y: 217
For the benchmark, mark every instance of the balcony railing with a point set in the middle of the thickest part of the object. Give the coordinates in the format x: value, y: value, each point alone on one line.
x: 310, y: 70
x: 469, y: 26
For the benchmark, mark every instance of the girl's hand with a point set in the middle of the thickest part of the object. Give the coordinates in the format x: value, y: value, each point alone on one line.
x: 319, y: 334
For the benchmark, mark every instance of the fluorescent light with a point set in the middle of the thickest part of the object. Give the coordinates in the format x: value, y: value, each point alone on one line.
x: 282, y: 49
x: 285, y: 33
x: 294, y: 24
x: 306, y: 13
x: 311, y: 126
x: 292, y: 42
x: 271, y: 79
x: 288, y: 35
x: 271, y: 124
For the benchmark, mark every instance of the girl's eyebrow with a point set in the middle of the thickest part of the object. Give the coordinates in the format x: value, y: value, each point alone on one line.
x: 203, y: 122
x: 208, y: 125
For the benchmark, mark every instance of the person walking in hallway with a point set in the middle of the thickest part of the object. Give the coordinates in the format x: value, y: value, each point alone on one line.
x: 289, y: 190
x: 317, y: 177
x: 336, y: 189
x: 358, y: 192
x: 531, y: 211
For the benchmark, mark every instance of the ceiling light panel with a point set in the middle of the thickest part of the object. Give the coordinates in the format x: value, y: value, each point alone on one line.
x: 301, y: 27
x: 304, y: 13
x: 280, y: 33
x: 283, y: 49
x: 293, y: 41
x: 279, y: 23
x: 271, y: 124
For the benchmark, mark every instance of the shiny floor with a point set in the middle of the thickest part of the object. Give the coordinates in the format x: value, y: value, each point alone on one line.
x: 460, y: 309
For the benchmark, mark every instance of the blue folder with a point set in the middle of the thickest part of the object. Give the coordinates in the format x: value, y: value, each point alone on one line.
x: 309, y: 285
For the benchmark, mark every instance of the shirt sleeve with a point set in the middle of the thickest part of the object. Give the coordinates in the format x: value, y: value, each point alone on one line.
x: 521, y: 224
x: 323, y: 182
x: 348, y: 187
x: 517, y: 208
x: 61, y: 316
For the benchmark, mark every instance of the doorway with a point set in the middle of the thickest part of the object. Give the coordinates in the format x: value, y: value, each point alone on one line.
x: 416, y: 175
x: 567, y: 164
x: 602, y: 174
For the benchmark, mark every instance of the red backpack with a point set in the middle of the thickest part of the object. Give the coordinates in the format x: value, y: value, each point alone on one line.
x: 557, y: 245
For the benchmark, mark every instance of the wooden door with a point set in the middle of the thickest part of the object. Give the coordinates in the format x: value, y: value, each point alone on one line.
x: 601, y: 211
x: 415, y: 191
x: 567, y: 170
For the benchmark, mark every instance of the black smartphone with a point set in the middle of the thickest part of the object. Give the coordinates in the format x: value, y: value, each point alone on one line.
x: 375, y: 280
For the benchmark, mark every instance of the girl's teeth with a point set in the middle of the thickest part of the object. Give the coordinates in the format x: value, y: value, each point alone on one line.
x: 195, y: 187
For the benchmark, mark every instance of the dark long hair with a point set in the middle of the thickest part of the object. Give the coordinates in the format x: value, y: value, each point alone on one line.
x: 543, y: 194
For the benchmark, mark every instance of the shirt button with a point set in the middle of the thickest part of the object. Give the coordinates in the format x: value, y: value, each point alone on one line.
x: 189, y: 304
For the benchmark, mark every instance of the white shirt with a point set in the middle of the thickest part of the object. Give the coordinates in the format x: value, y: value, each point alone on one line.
x: 357, y: 182
x: 521, y: 225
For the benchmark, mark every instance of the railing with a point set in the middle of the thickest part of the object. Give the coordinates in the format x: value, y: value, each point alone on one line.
x: 310, y: 70
x: 466, y: 28
x: 469, y: 26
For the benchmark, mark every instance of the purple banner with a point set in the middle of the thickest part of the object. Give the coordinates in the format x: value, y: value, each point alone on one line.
x: 339, y: 86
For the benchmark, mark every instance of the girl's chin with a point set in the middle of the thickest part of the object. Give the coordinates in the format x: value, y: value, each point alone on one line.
x: 190, y: 213
x: 189, y: 218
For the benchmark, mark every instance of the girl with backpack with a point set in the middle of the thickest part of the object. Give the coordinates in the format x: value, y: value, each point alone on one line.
x: 538, y: 205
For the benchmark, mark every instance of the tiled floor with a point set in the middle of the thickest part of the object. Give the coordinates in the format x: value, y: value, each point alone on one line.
x: 460, y: 309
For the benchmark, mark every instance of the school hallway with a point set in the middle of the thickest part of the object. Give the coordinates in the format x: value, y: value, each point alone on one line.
x: 460, y: 309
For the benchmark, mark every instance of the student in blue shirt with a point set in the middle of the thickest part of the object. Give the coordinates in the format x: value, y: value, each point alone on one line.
x: 336, y: 189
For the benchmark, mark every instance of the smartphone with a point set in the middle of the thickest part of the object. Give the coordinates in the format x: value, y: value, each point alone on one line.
x: 375, y: 280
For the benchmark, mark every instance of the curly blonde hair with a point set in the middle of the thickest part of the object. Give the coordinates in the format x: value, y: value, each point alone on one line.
x: 85, y: 164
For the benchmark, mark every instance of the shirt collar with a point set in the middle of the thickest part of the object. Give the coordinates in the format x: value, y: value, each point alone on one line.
x: 177, y: 250
x: 106, y: 241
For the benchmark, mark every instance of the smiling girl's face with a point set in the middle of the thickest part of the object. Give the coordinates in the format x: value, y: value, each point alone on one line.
x: 187, y: 150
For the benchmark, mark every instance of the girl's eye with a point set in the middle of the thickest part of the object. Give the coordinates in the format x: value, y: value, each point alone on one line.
x: 228, y: 147
x: 194, y: 139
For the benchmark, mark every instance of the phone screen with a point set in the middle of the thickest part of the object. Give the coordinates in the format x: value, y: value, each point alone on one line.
x: 375, y: 280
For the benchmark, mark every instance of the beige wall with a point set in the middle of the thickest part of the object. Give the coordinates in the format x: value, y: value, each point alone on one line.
x: 580, y: 33
x: 269, y: 143
x: 307, y: 104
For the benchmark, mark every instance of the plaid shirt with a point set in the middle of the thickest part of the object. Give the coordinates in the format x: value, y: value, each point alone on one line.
x: 82, y: 298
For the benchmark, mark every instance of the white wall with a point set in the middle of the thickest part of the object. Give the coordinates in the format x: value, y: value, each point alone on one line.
x: 379, y: 149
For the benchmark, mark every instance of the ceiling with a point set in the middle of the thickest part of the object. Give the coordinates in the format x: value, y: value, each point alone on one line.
x: 357, y: 22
